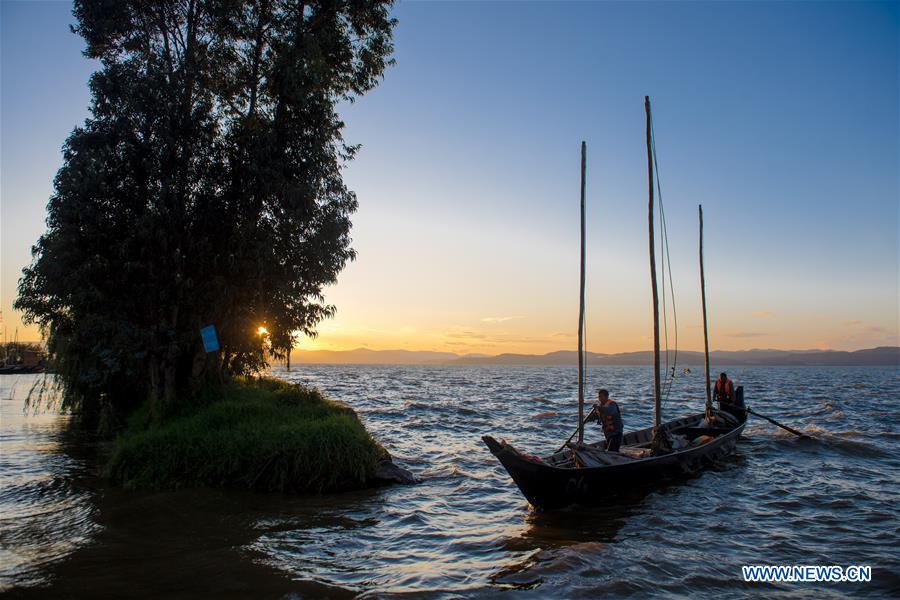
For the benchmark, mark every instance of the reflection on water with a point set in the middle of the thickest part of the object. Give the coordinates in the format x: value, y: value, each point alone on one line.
x: 43, y: 516
x: 466, y: 530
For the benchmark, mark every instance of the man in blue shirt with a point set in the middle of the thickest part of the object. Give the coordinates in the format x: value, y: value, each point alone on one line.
x: 610, y: 419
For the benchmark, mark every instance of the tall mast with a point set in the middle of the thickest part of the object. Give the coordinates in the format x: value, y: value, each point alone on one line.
x: 705, y: 330
x: 656, y: 394
x: 581, y: 310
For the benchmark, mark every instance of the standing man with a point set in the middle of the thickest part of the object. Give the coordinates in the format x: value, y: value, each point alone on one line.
x: 729, y: 401
x: 724, y: 390
x: 610, y: 419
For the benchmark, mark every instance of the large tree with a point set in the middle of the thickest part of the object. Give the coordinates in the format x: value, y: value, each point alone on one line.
x: 205, y: 188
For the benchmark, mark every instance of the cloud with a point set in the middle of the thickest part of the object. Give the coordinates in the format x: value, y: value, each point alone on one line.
x: 873, y: 329
x: 852, y: 323
x: 562, y: 335
x: 512, y: 339
x: 466, y: 335
x: 484, y: 339
x: 746, y: 334
x: 500, y: 319
x: 763, y: 314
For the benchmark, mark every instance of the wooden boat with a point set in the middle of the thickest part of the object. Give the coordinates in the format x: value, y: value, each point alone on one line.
x: 586, y: 474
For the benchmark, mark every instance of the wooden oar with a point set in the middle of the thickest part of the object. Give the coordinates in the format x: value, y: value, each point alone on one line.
x: 799, y: 434
x: 586, y: 419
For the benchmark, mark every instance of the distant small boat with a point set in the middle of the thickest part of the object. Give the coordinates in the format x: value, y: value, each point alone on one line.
x: 586, y: 474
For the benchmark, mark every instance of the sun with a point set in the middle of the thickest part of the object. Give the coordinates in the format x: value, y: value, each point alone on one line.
x: 262, y: 331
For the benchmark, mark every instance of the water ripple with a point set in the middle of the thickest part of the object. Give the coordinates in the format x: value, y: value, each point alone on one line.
x: 466, y: 531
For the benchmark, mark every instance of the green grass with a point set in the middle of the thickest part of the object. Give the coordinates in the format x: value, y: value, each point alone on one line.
x: 265, y: 435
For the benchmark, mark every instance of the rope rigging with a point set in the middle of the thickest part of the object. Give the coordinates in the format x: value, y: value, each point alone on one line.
x: 665, y: 266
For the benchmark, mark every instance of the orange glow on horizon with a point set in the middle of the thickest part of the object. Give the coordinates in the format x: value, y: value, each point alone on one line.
x: 536, y: 335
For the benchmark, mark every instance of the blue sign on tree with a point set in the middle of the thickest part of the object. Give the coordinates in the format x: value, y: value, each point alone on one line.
x: 210, y: 339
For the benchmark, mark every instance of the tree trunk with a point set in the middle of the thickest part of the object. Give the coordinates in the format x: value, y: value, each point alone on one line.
x: 200, y: 368
x: 173, y: 355
x: 169, y: 384
x: 156, y: 391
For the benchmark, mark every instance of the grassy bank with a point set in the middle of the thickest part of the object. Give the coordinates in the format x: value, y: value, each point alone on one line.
x: 266, y: 435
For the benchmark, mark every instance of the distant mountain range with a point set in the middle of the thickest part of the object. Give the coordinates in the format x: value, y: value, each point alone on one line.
x: 881, y: 356
x: 364, y: 356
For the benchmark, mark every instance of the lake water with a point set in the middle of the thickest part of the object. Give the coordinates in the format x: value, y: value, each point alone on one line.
x: 466, y: 531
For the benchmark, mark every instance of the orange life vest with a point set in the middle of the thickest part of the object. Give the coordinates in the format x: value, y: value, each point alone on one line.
x: 726, y: 393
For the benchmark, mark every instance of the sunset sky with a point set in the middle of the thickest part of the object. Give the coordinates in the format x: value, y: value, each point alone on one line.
x: 780, y: 118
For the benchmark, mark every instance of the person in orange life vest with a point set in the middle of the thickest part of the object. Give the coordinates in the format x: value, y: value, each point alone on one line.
x: 610, y: 419
x: 724, y: 391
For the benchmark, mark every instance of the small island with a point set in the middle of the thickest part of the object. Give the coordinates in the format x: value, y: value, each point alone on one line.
x: 262, y: 434
x: 197, y: 217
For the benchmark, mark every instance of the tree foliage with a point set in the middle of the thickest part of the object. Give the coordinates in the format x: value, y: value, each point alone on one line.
x: 205, y: 188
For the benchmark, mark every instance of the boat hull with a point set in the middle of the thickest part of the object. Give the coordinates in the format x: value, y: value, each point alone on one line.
x: 548, y: 487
